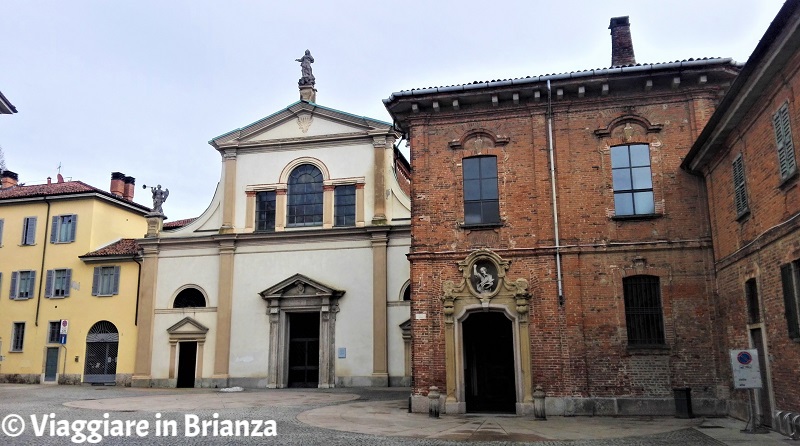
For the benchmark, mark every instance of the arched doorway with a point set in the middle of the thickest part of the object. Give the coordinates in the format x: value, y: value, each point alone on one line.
x: 102, y: 344
x: 489, y: 372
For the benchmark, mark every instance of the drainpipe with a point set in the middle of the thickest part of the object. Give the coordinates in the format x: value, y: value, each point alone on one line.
x: 44, y: 251
x: 138, y: 285
x: 553, y: 188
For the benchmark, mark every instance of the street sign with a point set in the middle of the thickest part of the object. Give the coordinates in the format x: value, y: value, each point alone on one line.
x: 746, y: 371
x: 64, y: 326
x: 63, y: 339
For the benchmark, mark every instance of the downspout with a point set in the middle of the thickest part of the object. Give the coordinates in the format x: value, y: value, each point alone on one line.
x: 138, y: 285
x: 555, y: 199
x: 44, y: 251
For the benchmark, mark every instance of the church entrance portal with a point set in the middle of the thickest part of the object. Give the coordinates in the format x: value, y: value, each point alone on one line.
x: 489, y: 363
x: 303, y: 349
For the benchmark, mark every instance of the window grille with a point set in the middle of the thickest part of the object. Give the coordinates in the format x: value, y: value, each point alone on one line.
x: 643, y: 313
x: 54, y: 332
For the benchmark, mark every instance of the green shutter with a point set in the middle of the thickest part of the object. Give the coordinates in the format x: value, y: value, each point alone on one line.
x: 739, y: 191
x: 783, y: 137
x: 13, y: 293
x: 790, y: 297
x: 54, y: 229
x: 96, y: 280
x: 116, y: 281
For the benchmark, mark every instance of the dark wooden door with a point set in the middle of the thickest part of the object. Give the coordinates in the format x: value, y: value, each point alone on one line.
x: 303, y: 349
x: 489, y: 363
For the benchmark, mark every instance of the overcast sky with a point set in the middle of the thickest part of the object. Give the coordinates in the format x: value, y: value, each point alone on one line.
x: 141, y: 86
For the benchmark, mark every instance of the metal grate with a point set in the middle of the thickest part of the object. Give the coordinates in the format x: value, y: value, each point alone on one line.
x: 101, y: 353
x: 643, y: 314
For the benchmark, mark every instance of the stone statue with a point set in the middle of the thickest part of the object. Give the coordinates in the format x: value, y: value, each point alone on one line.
x: 485, y: 280
x: 305, y: 66
x: 159, y: 197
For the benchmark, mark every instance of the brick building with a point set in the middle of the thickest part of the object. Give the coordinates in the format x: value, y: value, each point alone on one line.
x: 748, y: 159
x: 556, y: 242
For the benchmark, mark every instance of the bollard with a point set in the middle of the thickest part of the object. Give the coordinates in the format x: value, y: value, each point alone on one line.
x: 433, y: 402
x: 538, y: 404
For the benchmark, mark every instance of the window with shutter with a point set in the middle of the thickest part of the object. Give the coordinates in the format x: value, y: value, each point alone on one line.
x: 18, y: 336
x: 739, y: 190
x: 29, y: 231
x: 105, y: 281
x: 783, y: 139
x: 22, y: 284
x: 58, y: 283
x: 63, y: 230
x: 790, y: 278
x: 2, y: 222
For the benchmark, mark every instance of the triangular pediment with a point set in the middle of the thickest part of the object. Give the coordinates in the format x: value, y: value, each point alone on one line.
x: 299, y: 121
x: 187, y: 326
x: 299, y: 286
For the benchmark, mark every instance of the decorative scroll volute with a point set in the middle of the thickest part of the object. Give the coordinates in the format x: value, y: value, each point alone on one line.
x: 483, y: 276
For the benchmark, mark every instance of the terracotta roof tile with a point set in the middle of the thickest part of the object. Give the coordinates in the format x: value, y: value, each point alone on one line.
x: 125, y: 246
x: 65, y: 188
x: 175, y: 224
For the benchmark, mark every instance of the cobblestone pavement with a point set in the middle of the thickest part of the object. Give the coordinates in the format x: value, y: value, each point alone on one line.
x: 299, y: 417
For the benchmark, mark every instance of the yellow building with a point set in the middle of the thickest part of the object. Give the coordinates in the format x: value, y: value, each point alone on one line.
x: 68, y: 262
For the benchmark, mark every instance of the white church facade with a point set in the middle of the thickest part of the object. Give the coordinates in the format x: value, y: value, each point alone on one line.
x: 296, y: 274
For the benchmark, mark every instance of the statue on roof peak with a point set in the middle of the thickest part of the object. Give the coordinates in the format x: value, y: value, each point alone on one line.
x: 305, y: 67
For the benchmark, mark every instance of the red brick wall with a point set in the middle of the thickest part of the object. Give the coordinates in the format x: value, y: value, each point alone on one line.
x: 579, y: 348
x: 756, y: 245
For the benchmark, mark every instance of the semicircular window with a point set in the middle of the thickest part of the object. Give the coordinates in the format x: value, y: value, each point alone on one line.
x: 304, y: 206
x: 189, y: 298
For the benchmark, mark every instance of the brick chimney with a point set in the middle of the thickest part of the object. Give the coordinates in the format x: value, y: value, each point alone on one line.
x: 621, y: 42
x: 117, y: 184
x: 130, y: 186
x: 8, y: 179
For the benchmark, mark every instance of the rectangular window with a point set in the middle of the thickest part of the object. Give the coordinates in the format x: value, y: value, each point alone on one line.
x: 643, y: 313
x: 753, y: 309
x: 739, y: 190
x: 632, y: 180
x: 481, y: 195
x: 265, y: 211
x: 63, y: 230
x: 29, y: 231
x: 344, y: 205
x: 106, y: 281
x: 17, y: 336
x: 54, y: 332
x: 783, y: 138
x: 22, y: 284
x: 790, y: 277
x: 57, y: 283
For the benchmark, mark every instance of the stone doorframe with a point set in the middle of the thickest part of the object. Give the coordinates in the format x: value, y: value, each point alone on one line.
x: 186, y: 330
x: 299, y: 294
x: 484, y: 287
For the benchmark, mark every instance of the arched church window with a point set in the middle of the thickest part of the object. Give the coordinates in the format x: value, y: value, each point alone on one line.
x: 304, y: 206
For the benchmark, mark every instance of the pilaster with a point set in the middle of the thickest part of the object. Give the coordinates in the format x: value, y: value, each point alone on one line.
x: 380, y: 365
x: 144, y: 338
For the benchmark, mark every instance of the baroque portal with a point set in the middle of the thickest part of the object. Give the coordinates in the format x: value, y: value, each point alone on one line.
x: 484, y: 288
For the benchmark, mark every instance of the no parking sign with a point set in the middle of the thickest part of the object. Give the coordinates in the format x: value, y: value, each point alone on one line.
x: 746, y: 371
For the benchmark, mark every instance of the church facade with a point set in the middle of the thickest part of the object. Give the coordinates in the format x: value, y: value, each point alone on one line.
x: 558, y: 248
x: 295, y: 275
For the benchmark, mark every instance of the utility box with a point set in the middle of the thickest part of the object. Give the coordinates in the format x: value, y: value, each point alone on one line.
x: 683, y: 402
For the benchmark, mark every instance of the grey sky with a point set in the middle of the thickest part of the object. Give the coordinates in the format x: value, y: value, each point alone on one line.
x: 141, y: 86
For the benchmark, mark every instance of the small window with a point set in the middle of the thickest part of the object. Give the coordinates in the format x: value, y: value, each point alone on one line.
x: 265, y: 211
x: 63, y: 230
x: 643, y: 313
x: 751, y: 295
x: 344, y: 205
x: 58, y: 283
x: 739, y: 190
x: 54, y: 332
x: 17, y: 336
x: 22, y: 284
x: 105, y: 281
x: 481, y: 196
x: 790, y: 278
x: 787, y: 163
x: 29, y: 231
x: 304, y: 206
x: 632, y: 180
x: 189, y: 298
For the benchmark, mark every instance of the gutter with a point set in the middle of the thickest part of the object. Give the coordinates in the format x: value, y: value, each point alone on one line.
x: 44, y: 252
x: 556, y: 237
